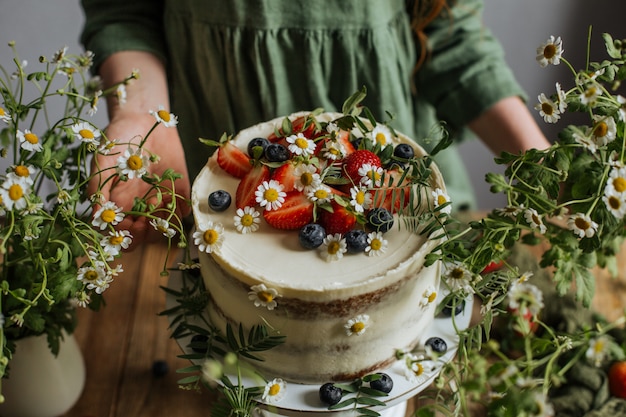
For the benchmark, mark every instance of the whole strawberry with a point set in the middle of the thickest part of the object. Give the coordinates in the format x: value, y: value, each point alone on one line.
x: 355, y: 161
x: 617, y: 379
x: 340, y: 220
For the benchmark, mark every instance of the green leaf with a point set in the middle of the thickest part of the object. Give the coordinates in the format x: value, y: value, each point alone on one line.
x: 350, y: 105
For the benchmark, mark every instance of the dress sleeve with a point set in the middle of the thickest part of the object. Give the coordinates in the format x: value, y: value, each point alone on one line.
x: 122, y: 25
x: 466, y: 72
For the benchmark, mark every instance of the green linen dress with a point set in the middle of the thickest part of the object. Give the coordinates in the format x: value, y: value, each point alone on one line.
x: 234, y: 63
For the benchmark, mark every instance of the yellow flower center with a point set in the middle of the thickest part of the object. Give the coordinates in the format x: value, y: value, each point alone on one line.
x: 270, y: 195
x: 265, y: 296
x: 306, y: 179
x: 418, y: 369
x: 135, y: 163
x: 360, y: 198
x: 16, y: 192
x: 2, y: 112
x: 441, y: 199
x: 549, y: 51
x: 381, y: 138
x: 357, y: 327
x: 620, y: 184
x: 108, y: 216
x: 333, y: 247
x: 373, y: 175
x: 86, y: 133
x: 598, y: 346
x: 432, y: 297
x: 31, y: 138
x: 247, y: 220
x: 590, y: 92
x: 535, y: 219
x: 614, y: 202
x: 547, y: 108
x: 601, y: 130
x: 581, y: 223
x: 211, y: 236
x: 321, y: 194
x: 334, y: 151
x: 376, y: 244
x: 164, y: 115
x: 116, y: 240
x: 301, y: 143
x: 21, y: 171
x: 457, y: 273
x: 91, y: 275
x: 274, y: 389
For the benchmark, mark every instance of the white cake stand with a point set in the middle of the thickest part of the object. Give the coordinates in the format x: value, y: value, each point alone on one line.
x: 302, y: 400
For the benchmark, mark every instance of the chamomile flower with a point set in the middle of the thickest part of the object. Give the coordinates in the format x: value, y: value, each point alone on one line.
x: 582, y: 225
x: 5, y: 116
x: 534, y: 220
x: 550, y: 52
x: 604, y: 129
x: 458, y: 278
x: 320, y: 193
x: 548, y: 109
x: 300, y: 145
x: 525, y: 297
x: 209, y: 237
x: 23, y: 172
x: 562, y: 98
x: 247, y: 220
x: 100, y: 285
x: 86, y: 133
x: 616, y: 181
x: 306, y: 177
x: 360, y: 199
x: 116, y: 241
x: 591, y: 93
x: 524, y: 277
x: 416, y: 368
x: 440, y: 198
x: 59, y: 55
x: 585, y: 139
x: 107, y: 215
x: 428, y: 296
x: 598, y: 350
x: 263, y: 296
x: 270, y: 195
x: 120, y: 93
x: 358, y: 325
x: 14, y: 192
x: 542, y: 406
x: 29, y: 141
x: 333, y: 247
x: 93, y: 109
x: 333, y: 150
x: 163, y: 116
x: 133, y: 163
x: 371, y: 175
x: 376, y: 244
x: 91, y: 273
x: 621, y: 100
x: 510, y: 211
x: 615, y: 203
x: 381, y: 135
x: 107, y: 145
x: 274, y: 391
x: 163, y: 226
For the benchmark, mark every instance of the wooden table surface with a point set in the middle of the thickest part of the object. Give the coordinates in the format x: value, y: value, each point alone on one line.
x: 121, y: 342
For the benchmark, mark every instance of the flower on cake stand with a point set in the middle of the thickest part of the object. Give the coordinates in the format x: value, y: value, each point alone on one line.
x: 333, y: 247
x: 440, y: 198
x: 274, y: 391
x: 376, y: 244
x: 209, y: 237
x: 428, y: 296
x: 263, y: 296
x: 417, y: 369
x: 357, y: 325
x: 247, y: 220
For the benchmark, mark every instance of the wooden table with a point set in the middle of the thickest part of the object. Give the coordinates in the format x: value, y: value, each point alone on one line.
x: 121, y: 342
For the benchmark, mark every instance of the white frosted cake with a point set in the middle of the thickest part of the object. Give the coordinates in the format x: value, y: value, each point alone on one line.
x: 343, y: 316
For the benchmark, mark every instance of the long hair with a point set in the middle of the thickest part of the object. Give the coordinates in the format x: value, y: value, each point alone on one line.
x: 423, y: 12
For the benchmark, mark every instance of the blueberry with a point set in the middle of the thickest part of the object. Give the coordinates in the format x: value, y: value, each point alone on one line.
x: 159, y: 368
x: 330, y: 394
x: 380, y: 219
x: 199, y: 343
x: 356, y: 240
x: 458, y: 308
x: 383, y: 384
x: 260, y: 142
x: 404, y: 151
x: 312, y: 235
x: 276, y: 152
x: 219, y: 200
x: 437, y: 344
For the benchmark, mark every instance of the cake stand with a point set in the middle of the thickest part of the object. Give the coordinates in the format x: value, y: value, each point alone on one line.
x: 302, y: 400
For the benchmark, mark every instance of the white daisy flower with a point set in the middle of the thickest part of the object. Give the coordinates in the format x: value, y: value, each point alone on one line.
x: 371, y: 175
x: 417, y: 368
x: 108, y: 214
x: 582, y: 225
x: 306, y: 177
x: 133, y: 164
x: 23, y: 172
x: 163, y: 226
x: 562, y: 98
x: 163, y: 116
x: 100, y: 285
x: 621, y: 100
x: 440, y: 198
x: 543, y: 407
x: 428, y: 296
x: 381, y: 135
x: 320, y: 193
x: 534, y: 220
x: 86, y: 133
x: 376, y: 244
x: 358, y: 325
x: 209, y: 237
x: 615, y: 202
x: 525, y: 297
x: 333, y: 150
x: 510, y: 211
x: 274, y: 391
x: 116, y: 241
x: 63, y: 197
x: 300, y: 145
x: 524, y: 277
x: 29, y: 141
x: 458, y: 278
x: 263, y: 296
x: 120, y: 93
x: 107, y: 146
x: 333, y: 247
x: 270, y: 195
x: 5, y: 116
x: 13, y: 192
x: 598, y: 350
x: 332, y: 127
x: 604, y: 129
x: 616, y: 181
x: 58, y: 55
x: 585, y: 139
x: 93, y: 109
x: 591, y: 93
x: 550, y: 52
x: 360, y: 199
x: 91, y: 273
x: 548, y: 109
x: 247, y: 220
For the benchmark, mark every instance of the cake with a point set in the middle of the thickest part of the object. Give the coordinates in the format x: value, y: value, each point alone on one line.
x: 343, y: 316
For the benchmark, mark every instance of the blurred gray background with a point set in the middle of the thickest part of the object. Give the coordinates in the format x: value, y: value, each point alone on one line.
x: 41, y: 27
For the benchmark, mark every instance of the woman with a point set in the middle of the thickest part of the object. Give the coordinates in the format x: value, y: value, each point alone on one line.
x: 224, y: 65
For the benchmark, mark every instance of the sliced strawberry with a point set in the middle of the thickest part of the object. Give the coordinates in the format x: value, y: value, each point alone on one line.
x: 341, y: 220
x: 301, y: 124
x: 356, y: 160
x: 285, y: 174
x: 248, y: 185
x: 394, y: 194
x: 492, y: 266
x: 233, y: 160
x: 343, y: 137
x: 295, y: 212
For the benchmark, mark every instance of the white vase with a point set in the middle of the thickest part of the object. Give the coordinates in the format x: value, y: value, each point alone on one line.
x: 41, y: 384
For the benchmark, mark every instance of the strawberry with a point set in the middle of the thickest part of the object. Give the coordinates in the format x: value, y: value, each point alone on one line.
x: 295, y: 212
x: 341, y: 220
x: 356, y: 160
x: 617, y: 379
x: 249, y: 184
x: 393, y: 195
x: 492, y: 266
x: 285, y: 174
x: 301, y: 124
x: 233, y: 160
